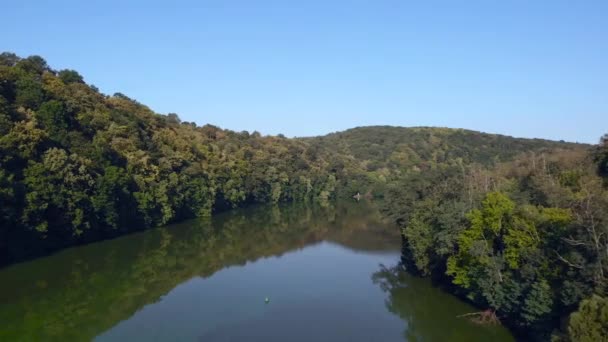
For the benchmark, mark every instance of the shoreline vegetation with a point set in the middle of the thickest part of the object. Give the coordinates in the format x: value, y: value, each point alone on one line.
x: 517, y: 226
x: 525, y: 238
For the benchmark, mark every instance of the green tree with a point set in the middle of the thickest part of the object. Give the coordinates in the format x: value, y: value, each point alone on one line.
x: 590, y: 322
x: 476, y: 244
x: 538, y: 303
x: 29, y: 93
x: 494, y: 244
x: 54, y: 118
x: 419, y: 236
x: 33, y: 65
x: 601, y: 156
x: 6, y: 122
x: 58, y: 200
x: 112, y: 201
x: 8, y: 211
x: 8, y: 59
x: 70, y: 76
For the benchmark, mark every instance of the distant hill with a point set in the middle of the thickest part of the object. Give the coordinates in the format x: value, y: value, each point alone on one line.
x: 393, y: 147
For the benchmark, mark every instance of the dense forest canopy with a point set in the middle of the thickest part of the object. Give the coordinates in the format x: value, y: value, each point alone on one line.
x: 526, y: 238
x: 518, y: 226
x: 78, y: 165
x: 398, y: 147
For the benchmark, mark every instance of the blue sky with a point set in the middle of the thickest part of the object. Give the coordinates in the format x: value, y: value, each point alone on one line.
x: 301, y: 68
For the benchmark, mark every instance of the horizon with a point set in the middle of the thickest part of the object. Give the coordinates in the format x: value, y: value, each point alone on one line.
x: 312, y: 69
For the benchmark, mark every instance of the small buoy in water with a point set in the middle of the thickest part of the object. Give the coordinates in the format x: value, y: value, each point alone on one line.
x: 266, y: 300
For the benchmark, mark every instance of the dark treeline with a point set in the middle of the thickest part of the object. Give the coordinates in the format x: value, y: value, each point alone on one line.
x: 518, y: 226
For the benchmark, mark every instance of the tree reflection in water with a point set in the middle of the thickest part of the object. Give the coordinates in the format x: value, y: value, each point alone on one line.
x: 80, y: 292
x: 431, y: 314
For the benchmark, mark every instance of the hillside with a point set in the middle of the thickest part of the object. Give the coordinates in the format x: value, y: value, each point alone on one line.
x: 385, y: 153
x: 77, y: 165
x: 398, y: 148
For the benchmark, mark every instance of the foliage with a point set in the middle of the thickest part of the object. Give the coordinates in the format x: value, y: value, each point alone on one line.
x: 590, y: 322
x: 79, y: 166
x: 525, y: 238
x: 70, y: 76
x: 519, y: 226
x: 601, y: 156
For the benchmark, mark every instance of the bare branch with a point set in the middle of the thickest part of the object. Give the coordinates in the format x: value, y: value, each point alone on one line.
x: 567, y: 262
x: 571, y: 241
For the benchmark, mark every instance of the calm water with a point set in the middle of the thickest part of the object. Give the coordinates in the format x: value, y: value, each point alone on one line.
x: 329, y: 274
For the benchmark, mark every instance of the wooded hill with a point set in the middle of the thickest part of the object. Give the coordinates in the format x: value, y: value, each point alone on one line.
x: 396, y: 148
x: 518, y: 226
x: 77, y: 165
x: 384, y: 153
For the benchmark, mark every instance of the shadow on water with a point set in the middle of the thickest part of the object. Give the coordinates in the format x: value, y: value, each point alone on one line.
x: 78, y: 293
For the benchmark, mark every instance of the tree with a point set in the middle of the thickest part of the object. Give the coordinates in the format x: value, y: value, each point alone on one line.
x: 58, y: 199
x: 23, y: 142
x: 590, y: 322
x: 538, y: 303
x: 33, y: 65
x: 53, y: 117
x: 496, y: 241
x: 601, y: 156
x: 173, y: 118
x: 6, y: 121
x: 111, y: 201
x: 8, y: 59
x: 419, y: 236
x: 70, y: 76
x: 476, y: 244
x: 8, y: 211
x: 29, y: 93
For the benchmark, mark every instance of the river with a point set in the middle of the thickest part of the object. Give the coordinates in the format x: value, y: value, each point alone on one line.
x: 263, y: 273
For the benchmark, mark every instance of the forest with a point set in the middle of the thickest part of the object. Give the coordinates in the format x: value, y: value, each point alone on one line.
x: 519, y: 227
x: 79, y: 166
x: 525, y: 238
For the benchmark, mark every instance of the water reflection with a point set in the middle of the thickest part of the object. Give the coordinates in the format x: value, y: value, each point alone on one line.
x: 431, y: 314
x: 186, y: 283
x: 78, y: 293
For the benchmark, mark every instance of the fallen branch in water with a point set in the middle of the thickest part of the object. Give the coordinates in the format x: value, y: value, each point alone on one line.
x: 482, y: 317
x: 470, y: 314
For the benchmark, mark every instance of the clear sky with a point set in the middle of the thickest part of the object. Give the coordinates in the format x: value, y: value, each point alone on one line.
x: 523, y: 68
